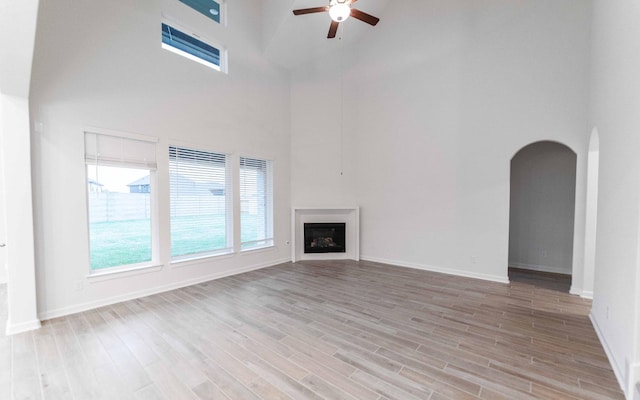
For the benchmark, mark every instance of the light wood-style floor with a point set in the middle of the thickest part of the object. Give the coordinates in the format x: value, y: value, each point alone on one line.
x: 319, y: 330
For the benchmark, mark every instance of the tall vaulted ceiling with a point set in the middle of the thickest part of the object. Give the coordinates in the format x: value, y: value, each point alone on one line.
x: 294, y: 40
x: 288, y: 40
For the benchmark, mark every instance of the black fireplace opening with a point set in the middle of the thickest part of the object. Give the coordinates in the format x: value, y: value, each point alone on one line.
x: 324, y: 237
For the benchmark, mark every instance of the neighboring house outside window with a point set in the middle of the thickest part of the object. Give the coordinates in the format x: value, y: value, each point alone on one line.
x: 142, y: 185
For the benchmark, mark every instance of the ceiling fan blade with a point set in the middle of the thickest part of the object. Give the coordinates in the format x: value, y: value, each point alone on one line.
x: 303, y: 11
x: 333, y: 29
x: 364, y: 17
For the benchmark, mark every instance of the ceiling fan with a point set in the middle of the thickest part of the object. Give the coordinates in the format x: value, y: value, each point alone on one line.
x: 339, y: 11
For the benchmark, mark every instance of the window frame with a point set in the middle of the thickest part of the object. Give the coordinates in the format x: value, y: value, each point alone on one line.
x: 222, y: 9
x: 269, y: 206
x: 154, y: 216
x: 229, y: 207
x: 223, y: 63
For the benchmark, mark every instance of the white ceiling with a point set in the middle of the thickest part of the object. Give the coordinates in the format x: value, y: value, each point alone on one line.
x: 289, y: 40
x: 295, y: 40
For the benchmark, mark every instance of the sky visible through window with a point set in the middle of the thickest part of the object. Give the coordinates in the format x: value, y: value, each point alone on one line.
x: 115, y: 179
x: 208, y: 8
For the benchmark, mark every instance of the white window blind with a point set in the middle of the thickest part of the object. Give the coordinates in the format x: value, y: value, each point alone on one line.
x: 200, y: 195
x: 256, y: 203
x: 116, y: 150
x: 120, y: 194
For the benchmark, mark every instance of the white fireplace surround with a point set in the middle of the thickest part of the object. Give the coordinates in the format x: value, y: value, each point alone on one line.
x: 349, y: 215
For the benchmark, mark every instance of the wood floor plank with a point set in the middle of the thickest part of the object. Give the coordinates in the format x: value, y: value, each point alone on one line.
x: 167, y: 383
x: 55, y: 385
x: 111, y: 384
x: 388, y: 390
x: 321, y: 330
x: 339, y: 380
x: 416, y: 388
x: 26, y: 388
x: 209, y: 391
x: 150, y: 392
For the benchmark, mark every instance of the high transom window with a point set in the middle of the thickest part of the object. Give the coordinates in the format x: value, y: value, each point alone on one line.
x: 209, y: 8
x: 191, y: 46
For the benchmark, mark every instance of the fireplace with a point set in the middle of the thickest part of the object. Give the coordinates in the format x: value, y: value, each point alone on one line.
x: 347, y: 217
x: 325, y: 237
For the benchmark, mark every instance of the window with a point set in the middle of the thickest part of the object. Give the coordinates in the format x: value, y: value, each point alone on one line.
x: 191, y: 47
x: 200, y: 195
x: 121, y: 217
x: 256, y: 203
x: 208, y: 8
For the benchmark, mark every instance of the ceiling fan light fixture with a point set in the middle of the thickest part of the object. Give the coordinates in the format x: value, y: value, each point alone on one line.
x: 340, y: 12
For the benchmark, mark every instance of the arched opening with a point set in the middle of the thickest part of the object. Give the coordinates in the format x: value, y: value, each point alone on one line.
x: 541, y: 216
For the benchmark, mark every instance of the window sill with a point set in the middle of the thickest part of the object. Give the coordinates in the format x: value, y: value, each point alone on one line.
x: 262, y: 249
x: 199, y: 259
x: 99, y: 276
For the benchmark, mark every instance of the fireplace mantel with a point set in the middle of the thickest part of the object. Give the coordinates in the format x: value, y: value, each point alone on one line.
x: 348, y: 215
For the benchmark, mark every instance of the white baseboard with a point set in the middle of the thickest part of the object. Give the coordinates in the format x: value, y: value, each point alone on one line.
x: 77, y: 308
x: 633, y: 385
x: 431, y: 268
x: 587, y: 294
x: 617, y: 369
x: 540, y: 268
x: 575, y: 290
x: 13, y: 328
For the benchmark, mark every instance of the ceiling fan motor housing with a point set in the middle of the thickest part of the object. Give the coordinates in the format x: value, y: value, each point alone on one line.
x: 339, y: 12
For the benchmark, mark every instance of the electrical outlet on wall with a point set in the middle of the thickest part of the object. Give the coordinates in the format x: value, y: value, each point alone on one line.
x: 544, y: 253
x: 474, y: 259
x: 79, y: 285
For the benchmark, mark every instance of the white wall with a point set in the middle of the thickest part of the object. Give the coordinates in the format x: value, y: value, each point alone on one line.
x: 438, y: 98
x: 591, y: 214
x: 103, y: 66
x: 21, y: 271
x: 16, y: 55
x: 3, y: 224
x: 322, y: 151
x: 615, y: 103
x: 543, y: 184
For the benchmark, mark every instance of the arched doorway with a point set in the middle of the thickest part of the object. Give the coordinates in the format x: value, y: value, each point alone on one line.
x: 542, y: 209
